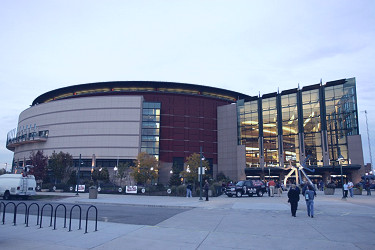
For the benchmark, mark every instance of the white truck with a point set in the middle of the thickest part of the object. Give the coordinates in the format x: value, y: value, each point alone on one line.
x: 17, y: 185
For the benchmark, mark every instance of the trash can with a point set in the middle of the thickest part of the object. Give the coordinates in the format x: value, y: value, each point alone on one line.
x: 93, y: 193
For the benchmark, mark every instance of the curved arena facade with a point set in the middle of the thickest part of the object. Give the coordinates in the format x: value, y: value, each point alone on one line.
x: 241, y: 136
x: 112, y: 122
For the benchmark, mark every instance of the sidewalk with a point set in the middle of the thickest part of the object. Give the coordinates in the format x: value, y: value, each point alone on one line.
x: 221, y: 223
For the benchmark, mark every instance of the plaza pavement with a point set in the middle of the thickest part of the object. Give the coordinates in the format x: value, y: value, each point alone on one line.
x: 221, y: 223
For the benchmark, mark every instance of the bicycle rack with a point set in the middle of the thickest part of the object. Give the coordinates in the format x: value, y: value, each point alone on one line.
x: 80, y: 217
x: 5, y: 207
x: 54, y: 227
x: 1, y: 203
x: 96, y: 217
x: 28, y: 213
x: 41, y: 214
x: 15, y: 212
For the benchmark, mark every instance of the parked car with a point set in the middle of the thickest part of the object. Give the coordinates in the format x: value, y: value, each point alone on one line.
x: 248, y: 187
x: 17, y: 185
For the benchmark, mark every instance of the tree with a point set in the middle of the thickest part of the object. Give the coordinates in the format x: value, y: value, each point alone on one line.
x: 193, y: 163
x: 175, y: 179
x: 39, y: 161
x: 146, y: 168
x: 61, y: 164
x: 122, y: 171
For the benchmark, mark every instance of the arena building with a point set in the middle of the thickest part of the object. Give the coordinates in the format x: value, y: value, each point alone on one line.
x: 241, y: 135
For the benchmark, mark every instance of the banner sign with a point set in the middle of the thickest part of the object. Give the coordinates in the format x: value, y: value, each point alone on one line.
x: 131, y: 189
x: 81, y: 188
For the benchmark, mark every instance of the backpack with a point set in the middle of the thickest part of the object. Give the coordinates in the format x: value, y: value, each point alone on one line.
x: 307, y: 197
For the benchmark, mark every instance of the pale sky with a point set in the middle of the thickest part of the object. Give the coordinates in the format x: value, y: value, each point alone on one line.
x: 243, y: 46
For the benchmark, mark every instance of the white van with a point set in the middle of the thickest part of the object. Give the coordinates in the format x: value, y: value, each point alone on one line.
x: 17, y: 185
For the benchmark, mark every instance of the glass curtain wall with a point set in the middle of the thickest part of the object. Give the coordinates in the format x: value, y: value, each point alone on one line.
x: 290, y: 128
x: 151, y: 128
x: 249, y: 131
x: 341, y: 115
x: 312, y: 126
x: 269, y: 113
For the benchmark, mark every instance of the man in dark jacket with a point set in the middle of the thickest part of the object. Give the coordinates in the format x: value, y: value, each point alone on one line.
x: 206, y: 188
x: 293, y: 198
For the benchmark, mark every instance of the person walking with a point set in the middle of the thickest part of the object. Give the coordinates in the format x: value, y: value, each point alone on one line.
x: 272, y: 185
x: 206, y: 188
x: 309, y: 198
x: 278, y: 188
x: 189, y: 188
x: 293, y: 199
x: 367, y: 186
x: 351, y: 187
x: 346, y: 189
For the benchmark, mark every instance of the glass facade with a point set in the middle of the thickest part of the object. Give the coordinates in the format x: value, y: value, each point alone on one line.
x: 290, y: 128
x: 269, y: 113
x: 151, y: 128
x: 249, y: 131
x: 341, y: 117
x: 282, y: 123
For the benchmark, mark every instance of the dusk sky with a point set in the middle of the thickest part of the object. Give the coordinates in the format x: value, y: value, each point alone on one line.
x: 250, y: 47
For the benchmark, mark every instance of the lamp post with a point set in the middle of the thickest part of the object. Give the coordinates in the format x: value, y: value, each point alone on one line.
x: 200, y: 173
x: 78, y: 172
x: 340, y: 159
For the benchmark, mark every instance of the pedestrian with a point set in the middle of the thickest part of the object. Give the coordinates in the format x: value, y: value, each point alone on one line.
x: 189, y: 188
x: 309, y: 198
x: 293, y: 199
x: 346, y: 189
x: 367, y: 186
x: 272, y: 185
x: 206, y: 188
x: 321, y: 185
x: 278, y: 188
x: 350, y: 186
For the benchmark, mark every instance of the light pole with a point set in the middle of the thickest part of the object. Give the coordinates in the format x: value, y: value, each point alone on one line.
x: 340, y: 159
x: 78, y: 172
x: 200, y: 174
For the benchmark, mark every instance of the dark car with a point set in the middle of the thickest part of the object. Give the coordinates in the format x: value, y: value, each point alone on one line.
x: 248, y: 187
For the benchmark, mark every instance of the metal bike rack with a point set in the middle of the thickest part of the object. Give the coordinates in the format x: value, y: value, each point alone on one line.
x: 41, y: 214
x: 2, y: 204
x: 80, y: 217
x: 96, y: 217
x: 5, y: 207
x: 54, y: 227
x: 15, y: 212
x: 28, y: 213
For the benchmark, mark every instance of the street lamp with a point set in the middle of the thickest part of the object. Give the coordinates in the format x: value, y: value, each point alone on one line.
x: 78, y: 172
x: 201, y: 158
x: 340, y: 159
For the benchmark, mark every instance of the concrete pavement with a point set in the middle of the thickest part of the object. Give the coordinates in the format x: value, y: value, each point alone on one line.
x: 222, y: 223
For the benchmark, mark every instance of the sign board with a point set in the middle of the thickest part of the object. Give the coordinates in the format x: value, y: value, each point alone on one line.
x: 131, y: 189
x: 81, y: 188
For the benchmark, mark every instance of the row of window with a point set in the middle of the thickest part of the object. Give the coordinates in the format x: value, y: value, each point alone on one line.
x: 296, y: 116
